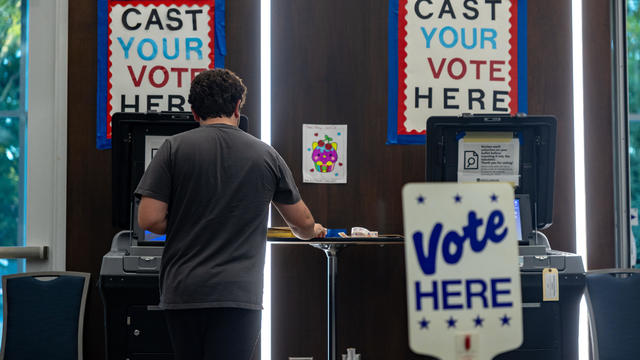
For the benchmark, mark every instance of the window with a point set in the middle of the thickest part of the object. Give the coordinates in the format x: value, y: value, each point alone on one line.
x: 12, y: 130
x: 633, y: 78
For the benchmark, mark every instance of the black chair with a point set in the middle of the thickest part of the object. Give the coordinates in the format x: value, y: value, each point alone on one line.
x: 613, y: 296
x: 43, y: 315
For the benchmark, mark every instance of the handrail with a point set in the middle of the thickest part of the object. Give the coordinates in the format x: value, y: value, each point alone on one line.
x: 24, y: 252
x: 614, y: 271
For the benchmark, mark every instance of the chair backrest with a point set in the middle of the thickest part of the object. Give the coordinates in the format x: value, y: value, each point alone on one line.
x: 613, y: 296
x: 43, y: 315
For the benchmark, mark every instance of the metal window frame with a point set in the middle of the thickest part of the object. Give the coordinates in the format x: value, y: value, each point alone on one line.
x: 620, y: 114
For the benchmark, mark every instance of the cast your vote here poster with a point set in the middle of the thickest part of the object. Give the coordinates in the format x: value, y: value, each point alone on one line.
x: 148, y: 53
x: 450, y: 57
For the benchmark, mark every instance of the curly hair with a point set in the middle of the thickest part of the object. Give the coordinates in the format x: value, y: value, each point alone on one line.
x: 215, y: 93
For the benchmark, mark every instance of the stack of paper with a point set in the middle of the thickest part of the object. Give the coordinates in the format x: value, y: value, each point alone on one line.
x: 280, y: 232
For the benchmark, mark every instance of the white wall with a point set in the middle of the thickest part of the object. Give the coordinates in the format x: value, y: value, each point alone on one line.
x: 47, y: 131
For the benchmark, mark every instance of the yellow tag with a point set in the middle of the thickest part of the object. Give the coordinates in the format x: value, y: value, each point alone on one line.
x: 550, y: 285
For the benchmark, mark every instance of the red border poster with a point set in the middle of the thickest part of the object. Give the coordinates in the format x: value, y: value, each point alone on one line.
x: 154, y: 48
x: 447, y: 58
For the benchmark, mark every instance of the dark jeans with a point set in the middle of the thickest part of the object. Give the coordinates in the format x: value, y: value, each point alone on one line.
x: 213, y: 333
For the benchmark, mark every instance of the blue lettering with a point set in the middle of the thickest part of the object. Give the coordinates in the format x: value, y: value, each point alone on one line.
x: 427, y: 263
x: 428, y: 36
x: 481, y: 294
x: 455, y: 294
x: 463, y: 37
x: 433, y: 295
x: 196, y: 47
x: 165, y: 52
x: 488, y: 35
x: 452, y: 238
x: 446, y: 294
x: 154, y: 48
x: 453, y: 42
x: 125, y: 47
x: 495, y: 221
x: 495, y: 292
x: 468, y: 37
x: 470, y: 231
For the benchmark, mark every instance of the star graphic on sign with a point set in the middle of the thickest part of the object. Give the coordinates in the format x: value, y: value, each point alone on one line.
x: 505, y: 320
x: 451, y: 323
x: 478, y: 321
x: 424, y: 324
x: 494, y: 198
x: 457, y: 198
x: 421, y: 199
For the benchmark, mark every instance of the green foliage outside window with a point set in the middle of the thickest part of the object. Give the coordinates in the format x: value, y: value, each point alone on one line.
x: 10, y: 54
x: 10, y: 76
x: 9, y: 181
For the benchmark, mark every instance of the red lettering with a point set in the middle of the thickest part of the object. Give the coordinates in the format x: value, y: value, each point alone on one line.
x: 152, y: 74
x: 463, y: 70
x: 458, y: 68
x: 179, y: 72
x: 477, y: 63
x: 493, y: 70
x: 136, y: 82
x: 159, y: 75
x: 436, y: 74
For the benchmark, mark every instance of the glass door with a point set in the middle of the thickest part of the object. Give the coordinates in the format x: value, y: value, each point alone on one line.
x: 12, y: 131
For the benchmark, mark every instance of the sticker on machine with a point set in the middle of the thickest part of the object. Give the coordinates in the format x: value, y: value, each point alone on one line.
x: 489, y: 156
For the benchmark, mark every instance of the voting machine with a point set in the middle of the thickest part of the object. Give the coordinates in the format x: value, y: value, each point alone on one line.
x: 519, y: 150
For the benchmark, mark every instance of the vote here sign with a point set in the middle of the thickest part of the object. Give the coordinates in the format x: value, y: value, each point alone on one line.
x: 463, y: 280
x: 154, y: 49
x: 451, y: 57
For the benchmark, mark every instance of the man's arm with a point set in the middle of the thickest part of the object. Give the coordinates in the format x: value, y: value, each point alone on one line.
x: 300, y: 220
x: 152, y: 215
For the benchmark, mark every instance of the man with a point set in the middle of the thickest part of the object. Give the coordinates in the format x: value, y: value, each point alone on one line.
x: 209, y: 190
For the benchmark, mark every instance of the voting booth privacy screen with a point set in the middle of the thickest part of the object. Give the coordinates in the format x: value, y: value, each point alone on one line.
x: 484, y: 148
x: 136, y: 138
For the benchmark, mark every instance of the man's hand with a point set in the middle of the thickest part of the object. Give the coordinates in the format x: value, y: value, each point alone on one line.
x: 319, y: 230
x: 300, y: 220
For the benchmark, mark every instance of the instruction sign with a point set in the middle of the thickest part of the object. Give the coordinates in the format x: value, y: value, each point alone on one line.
x: 152, y: 144
x: 463, y: 279
x: 489, y: 157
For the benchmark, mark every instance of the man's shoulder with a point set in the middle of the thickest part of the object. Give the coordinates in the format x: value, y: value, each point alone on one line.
x: 259, y: 147
x: 236, y: 138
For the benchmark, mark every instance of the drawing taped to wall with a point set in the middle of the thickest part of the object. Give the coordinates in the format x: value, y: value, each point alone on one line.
x: 324, y: 153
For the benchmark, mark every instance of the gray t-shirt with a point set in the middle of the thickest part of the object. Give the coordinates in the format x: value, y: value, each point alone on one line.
x: 218, y: 182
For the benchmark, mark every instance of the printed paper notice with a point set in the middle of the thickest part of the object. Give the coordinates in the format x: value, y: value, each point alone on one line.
x: 151, y: 145
x: 489, y: 157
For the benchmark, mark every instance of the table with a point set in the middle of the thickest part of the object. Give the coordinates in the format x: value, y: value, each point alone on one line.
x: 331, y: 247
